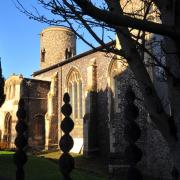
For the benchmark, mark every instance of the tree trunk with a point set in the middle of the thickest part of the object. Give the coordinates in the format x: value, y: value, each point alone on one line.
x: 170, y: 16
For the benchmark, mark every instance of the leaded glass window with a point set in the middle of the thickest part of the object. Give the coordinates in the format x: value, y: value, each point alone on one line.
x: 74, y: 86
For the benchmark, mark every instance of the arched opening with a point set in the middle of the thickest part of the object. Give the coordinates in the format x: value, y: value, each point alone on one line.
x: 117, y: 68
x: 117, y: 85
x: 7, y: 129
x: 75, y: 90
x: 68, y: 53
x: 39, y: 131
x: 74, y: 87
x: 43, y: 55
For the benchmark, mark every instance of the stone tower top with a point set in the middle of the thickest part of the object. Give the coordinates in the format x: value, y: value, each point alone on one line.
x: 56, y: 45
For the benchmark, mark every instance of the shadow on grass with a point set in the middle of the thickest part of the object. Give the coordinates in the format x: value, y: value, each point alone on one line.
x: 95, y: 165
x: 39, y: 168
x: 35, y: 168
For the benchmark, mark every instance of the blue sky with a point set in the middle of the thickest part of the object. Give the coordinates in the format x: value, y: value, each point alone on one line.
x: 19, y: 41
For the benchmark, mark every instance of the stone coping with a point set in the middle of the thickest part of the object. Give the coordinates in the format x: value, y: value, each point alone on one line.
x: 56, y: 28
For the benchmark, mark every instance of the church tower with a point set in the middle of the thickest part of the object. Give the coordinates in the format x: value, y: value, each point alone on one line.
x: 56, y: 45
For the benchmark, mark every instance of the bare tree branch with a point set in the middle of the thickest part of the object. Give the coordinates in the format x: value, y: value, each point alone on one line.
x: 117, y: 19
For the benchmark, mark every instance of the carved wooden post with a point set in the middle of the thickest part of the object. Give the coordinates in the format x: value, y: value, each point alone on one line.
x: 132, y: 133
x: 66, y: 161
x: 20, y: 156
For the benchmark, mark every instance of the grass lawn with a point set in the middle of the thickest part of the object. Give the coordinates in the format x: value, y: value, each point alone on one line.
x: 91, y: 165
x: 40, y: 168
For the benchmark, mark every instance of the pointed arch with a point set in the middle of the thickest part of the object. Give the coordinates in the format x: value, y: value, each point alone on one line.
x: 116, y: 67
x: 7, y: 129
x: 74, y: 86
x: 73, y: 74
x: 75, y: 90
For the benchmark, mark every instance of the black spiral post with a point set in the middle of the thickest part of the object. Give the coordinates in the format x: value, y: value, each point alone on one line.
x: 132, y: 134
x: 66, y: 161
x: 20, y: 156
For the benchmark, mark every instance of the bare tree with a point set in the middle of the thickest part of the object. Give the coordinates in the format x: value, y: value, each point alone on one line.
x: 132, y: 21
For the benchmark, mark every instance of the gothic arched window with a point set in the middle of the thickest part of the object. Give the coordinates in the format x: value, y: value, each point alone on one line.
x: 7, y: 128
x: 74, y: 86
x: 116, y: 68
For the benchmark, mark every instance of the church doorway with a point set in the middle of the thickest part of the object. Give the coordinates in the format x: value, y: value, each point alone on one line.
x: 7, y: 130
x: 39, y: 132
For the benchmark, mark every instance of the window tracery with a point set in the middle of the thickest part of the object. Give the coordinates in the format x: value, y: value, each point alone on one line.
x: 74, y: 86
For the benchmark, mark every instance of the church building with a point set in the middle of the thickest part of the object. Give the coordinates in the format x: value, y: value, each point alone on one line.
x: 96, y: 82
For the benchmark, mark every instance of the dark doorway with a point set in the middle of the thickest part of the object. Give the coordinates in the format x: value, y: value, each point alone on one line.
x: 7, y: 130
x: 39, y: 131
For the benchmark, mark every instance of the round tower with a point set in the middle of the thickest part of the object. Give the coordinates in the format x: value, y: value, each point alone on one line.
x: 56, y: 45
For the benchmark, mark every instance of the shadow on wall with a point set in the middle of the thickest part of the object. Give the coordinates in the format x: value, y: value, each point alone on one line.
x: 95, y: 130
x: 156, y: 161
